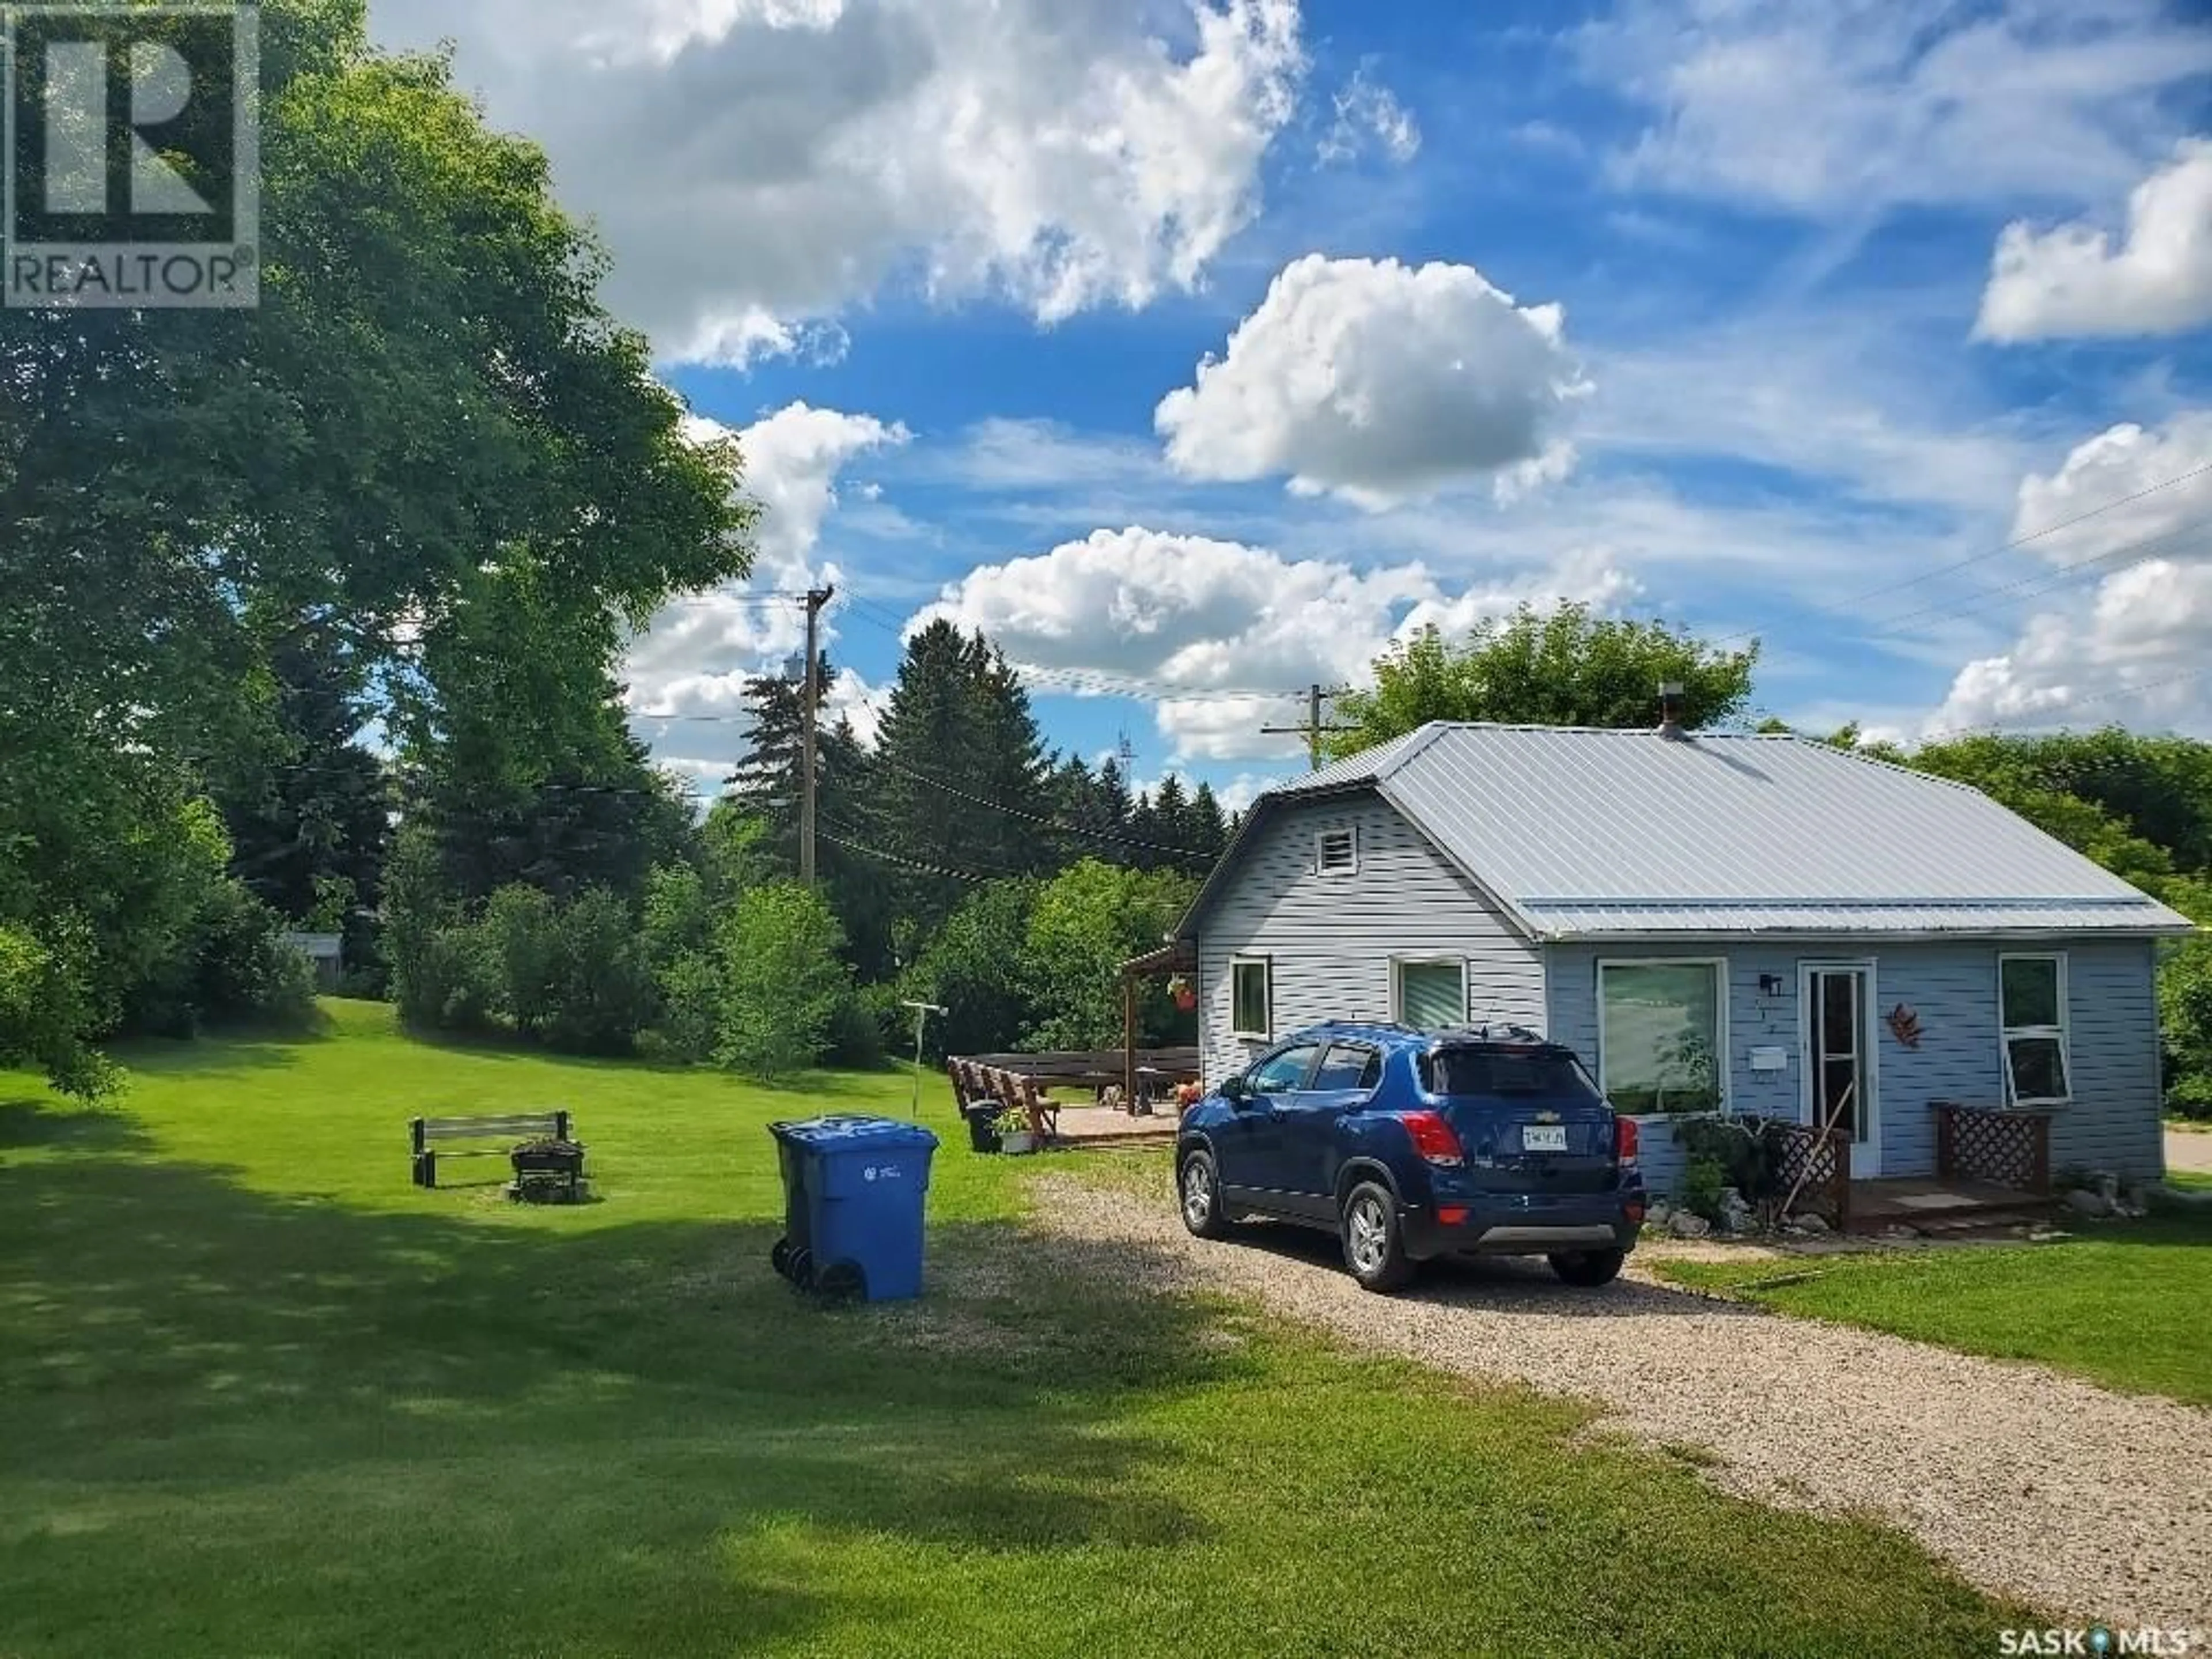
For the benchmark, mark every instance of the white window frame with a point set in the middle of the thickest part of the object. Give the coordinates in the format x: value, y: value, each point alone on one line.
x: 2063, y: 1032
x: 1266, y: 967
x: 1351, y: 832
x: 1398, y: 966
x: 1722, y: 1081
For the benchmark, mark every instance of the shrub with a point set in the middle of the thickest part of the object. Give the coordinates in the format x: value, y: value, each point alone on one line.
x: 1703, y: 1178
x: 856, y: 1029
x: 781, y: 979
x: 689, y: 1021
x: 450, y: 981
x: 521, y: 930
x: 601, y: 996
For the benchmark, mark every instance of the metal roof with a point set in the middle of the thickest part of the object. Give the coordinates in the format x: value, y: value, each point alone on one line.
x: 1578, y: 832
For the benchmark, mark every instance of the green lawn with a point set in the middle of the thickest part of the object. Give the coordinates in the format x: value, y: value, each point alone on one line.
x: 2122, y: 1302
x: 264, y: 1397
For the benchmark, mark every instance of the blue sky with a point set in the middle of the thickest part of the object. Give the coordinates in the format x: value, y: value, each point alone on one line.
x: 1760, y: 317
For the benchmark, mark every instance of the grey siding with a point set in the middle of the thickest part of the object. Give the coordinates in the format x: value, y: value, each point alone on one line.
x: 2113, y: 1124
x: 1331, y: 939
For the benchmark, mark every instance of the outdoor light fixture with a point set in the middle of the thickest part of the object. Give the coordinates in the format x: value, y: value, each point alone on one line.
x: 1769, y: 984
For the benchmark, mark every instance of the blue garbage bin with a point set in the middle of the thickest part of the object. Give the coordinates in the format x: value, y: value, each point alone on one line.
x: 853, y: 1191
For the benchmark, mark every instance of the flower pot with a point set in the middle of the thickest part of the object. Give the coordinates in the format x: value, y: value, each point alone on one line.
x: 1186, y: 1000
x: 1017, y: 1144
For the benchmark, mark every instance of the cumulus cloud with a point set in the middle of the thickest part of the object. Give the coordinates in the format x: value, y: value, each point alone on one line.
x: 1850, y: 108
x: 1369, y: 119
x: 755, y: 163
x: 700, y: 650
x: 1220, y: 633
x: 2137, y: 651
x: 1380, y: 382
x: 2073, y: 281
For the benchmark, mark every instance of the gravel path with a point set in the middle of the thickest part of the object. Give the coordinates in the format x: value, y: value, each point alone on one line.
x: 2082, y: 1501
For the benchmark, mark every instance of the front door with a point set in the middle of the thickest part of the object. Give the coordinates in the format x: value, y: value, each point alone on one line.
x: 1839, y: 1072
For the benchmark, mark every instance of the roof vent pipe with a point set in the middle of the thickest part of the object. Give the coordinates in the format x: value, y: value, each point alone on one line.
x: 1670, y: 711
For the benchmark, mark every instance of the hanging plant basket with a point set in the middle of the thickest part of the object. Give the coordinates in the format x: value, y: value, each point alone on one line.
x: 1184, y: 993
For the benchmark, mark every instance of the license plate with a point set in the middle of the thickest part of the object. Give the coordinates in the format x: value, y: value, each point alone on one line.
x: 1544, y: 1137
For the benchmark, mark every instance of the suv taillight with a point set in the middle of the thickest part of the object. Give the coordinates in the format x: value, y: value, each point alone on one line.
x: 1433, y: 1139
x: 1624, y: 1139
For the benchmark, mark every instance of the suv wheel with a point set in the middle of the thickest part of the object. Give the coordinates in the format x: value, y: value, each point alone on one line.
x: 1588, y: 1269
x: 1374, y: 1249
x: 1198, y: 1184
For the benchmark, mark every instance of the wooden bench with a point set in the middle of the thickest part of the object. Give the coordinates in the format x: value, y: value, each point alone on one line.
x: 513, y: 1128
x: 976, y: 1085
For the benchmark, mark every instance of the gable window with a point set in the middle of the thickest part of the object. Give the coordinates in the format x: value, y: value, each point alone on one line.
x: 1431, y: 996
x: 1336, y: 852
x: 2032, y: 1003
x: 1662, y: 1033
x: 1249, y: 1001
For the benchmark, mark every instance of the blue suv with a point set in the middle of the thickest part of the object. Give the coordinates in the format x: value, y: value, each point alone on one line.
x: 1413, y: 1145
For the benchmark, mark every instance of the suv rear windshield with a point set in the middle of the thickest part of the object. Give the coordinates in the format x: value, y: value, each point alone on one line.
x: 1551, y: 1071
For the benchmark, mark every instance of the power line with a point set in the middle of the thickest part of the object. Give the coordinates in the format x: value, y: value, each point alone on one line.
x: 922, y: 865
x: 2050, y: 582
x: 1998, y: 727
x: 1843, y: 608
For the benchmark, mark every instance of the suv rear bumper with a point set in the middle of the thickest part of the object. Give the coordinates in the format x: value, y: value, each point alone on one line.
x: 1596, y: 1221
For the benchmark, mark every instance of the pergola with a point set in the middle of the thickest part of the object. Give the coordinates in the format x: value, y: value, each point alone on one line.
x: 1178, y: 957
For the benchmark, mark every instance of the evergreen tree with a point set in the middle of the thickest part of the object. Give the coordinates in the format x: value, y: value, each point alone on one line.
x: 959, y: 774
x: 1208, y: 830
x: 307, y: 804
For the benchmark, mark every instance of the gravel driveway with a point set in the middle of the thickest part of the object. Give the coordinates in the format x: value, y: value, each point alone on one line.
x: 2082, y: 1501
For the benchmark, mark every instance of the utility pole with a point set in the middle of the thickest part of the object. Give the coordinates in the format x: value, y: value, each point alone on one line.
x: 1312, y: 731
x: 810, y: 700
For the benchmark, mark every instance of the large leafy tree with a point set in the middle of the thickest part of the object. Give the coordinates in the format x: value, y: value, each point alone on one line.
x: 429, y: 389
x: 1563, y: 667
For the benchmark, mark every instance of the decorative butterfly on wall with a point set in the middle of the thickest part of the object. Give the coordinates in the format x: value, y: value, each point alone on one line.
x: 1905, y: 1025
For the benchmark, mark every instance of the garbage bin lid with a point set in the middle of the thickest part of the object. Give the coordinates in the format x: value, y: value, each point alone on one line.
x: 847, y: 1133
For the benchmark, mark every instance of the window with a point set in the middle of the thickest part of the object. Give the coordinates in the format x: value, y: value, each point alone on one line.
x: 1250, y: 1002
x: 1283, y: 1073
x: 1661, y: 1035
x: 1348, y: 1067
x: 1549, y: 1072
x: 1336, y: 852
x: 2032, y: 1003
x: 1431, y: 996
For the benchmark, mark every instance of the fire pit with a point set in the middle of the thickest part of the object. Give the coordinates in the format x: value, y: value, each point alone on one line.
x: 548, y: 1172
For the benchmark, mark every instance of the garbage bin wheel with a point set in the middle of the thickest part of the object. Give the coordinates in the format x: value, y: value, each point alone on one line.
x: 780, y: 1257
x: 842, y: 1281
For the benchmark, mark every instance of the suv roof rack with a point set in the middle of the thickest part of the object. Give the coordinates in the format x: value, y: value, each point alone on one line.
x: 1500, y: 1033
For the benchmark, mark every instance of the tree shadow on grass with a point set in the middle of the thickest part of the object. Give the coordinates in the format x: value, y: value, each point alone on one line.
x: 243, y: 1422
x: 31, y: 1120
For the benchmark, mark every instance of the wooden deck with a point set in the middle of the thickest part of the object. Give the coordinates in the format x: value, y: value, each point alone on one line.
x: 1929, y: 1205
x: 1086, y: 1128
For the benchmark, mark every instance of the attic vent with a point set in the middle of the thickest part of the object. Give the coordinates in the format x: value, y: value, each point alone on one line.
x: 1337, y: 852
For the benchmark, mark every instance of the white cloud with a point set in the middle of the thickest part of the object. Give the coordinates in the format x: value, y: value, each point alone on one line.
x: 699, y: 652
x: 849, y: 697
x: 2072, y: 282
x: 1220, y: 633
x: 2137, y: 650
x: 755, y: 163
x: 1368, y: 117
x: 1849, y: 108
x: 1380, y: 382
